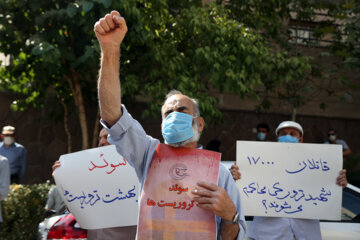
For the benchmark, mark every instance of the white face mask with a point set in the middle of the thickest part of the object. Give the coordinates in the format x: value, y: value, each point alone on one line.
x: 332, y: 138
x: 9, y: 140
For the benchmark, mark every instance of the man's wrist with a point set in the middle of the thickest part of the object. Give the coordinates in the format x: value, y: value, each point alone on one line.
x: 111, y: 50
x: 234, y: 220
x: 110, y: 58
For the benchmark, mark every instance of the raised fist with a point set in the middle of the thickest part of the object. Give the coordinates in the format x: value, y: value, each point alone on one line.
x: 110, y: 31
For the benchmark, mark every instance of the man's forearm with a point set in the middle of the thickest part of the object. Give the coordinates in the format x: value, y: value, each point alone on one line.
x: 347, y: 152
x: 229, y: 231
x: 109, y: 89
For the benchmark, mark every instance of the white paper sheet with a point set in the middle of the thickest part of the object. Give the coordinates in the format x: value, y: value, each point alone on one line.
x: 290, y: 179
x: 99, y: 188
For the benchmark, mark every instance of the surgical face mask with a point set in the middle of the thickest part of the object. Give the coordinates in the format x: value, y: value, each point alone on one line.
x: 9, y: 140
x: 195, y: 138
x: 177, y: 127
x: 288, y: 139
x: 261, y: 136
x: 332, y: 138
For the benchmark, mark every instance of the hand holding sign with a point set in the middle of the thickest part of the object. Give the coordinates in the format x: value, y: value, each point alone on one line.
x: 55, y: 166
x: 214, y: 198
x: 235, y: 172
x: 341, y: 179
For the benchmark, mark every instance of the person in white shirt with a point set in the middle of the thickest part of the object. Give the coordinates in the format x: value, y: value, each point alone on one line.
x: 281, y: 228
x: 333, y: 139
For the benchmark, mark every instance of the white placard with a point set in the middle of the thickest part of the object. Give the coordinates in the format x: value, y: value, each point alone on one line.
x: 99, y: 187
x: 289, y: 179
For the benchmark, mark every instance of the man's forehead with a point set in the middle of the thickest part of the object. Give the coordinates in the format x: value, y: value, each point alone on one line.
x: 262, y: 129
x: 103, y: 132
x: 288, y: 129
x: 178, y: 100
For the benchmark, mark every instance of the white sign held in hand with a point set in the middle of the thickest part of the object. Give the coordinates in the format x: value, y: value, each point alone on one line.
x: 295, y: 180
x: 99, y: 187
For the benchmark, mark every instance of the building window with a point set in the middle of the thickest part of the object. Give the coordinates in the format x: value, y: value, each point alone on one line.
x: 304, y: 36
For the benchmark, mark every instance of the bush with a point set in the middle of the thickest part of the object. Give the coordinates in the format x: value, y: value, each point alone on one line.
x: 23, y: 210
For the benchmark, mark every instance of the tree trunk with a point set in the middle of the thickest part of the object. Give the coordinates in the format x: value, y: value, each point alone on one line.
x: 66, y: 125
x: 75, y: 87
x: 82, y: 113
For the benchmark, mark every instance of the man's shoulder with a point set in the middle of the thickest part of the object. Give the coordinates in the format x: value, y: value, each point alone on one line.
x: 18, y: 145
x: 340, y: 141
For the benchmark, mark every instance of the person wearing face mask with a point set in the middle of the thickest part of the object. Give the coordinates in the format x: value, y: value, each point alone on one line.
x: 332, y: 139
x: 281, y: 228
x: 14, y: 152
x: 262, y: 131
x: 181, y: 127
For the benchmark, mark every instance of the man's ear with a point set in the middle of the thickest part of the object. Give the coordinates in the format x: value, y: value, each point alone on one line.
x: 301, y: 139
x: 201, y: 123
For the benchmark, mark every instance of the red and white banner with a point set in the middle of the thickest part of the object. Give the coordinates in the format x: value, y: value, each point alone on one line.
x: 167, y: 210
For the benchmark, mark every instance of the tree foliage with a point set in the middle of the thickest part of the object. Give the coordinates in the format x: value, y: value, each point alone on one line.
x: 335, y: 20
x: 170, y: 45
x: 343, y: 27
x: 53, y: 53
x: 347, y: 44
x: 202, y: 50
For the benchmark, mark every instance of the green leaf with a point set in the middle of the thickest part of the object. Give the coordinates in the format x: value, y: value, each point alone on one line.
x: 87, y: 6
x: 72, y: 9
x: 106, y: 3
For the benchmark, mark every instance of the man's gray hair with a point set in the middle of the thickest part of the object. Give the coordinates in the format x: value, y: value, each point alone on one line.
x: 195, y: 101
